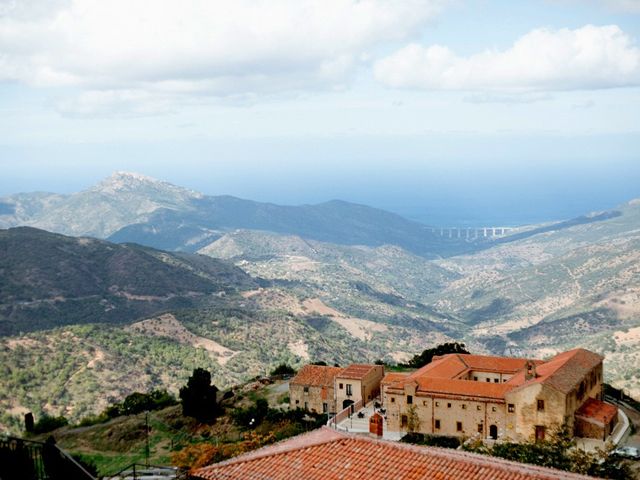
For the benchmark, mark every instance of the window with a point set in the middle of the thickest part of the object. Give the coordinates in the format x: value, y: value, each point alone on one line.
x: 475, y: 379
x: 478, y: 407
x: 488, y: 380
x: 437, y: 404
x: 541, y: 405
x: 340, y: 386
x: 409, y: 399
x: 511, y: 408
x: 458, y: 426
x: 393, y: 399
x: 349, y: 392
x: 480, y: 428
x: 325, y: 408
x: 496, y: 380
x: 437, y: 425
x: 306, y: 406
x: 448, y: 405
x: 306, y: 389
x: 493, y: 409
x: 297, y: 402
x: 464, y: 406
x: 424, y: 402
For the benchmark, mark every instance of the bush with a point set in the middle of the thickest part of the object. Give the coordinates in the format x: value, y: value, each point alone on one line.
x: 48, y: 424
x: 431, y: 440
x: 559, y: 452
x: 132, y: 404
x: 283, y: 369
x: 427, y: 355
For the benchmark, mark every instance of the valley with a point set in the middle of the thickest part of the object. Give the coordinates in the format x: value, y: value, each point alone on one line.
x: 84, y: 321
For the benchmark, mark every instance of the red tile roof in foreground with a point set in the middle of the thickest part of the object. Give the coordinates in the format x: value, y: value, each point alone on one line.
x: 316, y: 376
x: 595, y: 410
x: 356, y: 371
x: 329, y: 455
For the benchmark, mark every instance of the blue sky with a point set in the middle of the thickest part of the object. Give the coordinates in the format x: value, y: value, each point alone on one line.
x: 301, y: 101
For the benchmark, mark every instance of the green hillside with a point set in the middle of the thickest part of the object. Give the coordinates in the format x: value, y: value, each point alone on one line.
x: 50, y: 280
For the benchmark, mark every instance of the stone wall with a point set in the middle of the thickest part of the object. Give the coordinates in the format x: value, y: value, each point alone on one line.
x: 312, y: 399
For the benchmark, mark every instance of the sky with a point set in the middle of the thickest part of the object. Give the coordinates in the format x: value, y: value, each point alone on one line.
x: 454, y: 111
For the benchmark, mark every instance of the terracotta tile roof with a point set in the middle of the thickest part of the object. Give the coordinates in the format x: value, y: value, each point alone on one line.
x: 316, y: 376
x: 330, y: 455
x: 466, y: 388
x: 495, y: 364
x: 455, y: 387
x: 356, y: 371
x: 441, y: 376
x: 448, y: 366
x: 598, y: 411
x: 564, y: 372
x: 393, y: 377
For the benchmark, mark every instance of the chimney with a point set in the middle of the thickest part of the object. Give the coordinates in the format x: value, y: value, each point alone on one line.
x: 530, y: 372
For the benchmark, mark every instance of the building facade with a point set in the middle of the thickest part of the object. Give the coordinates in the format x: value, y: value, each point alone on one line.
x: 495, y: 397
x: 312, y: 389
x: 357, y: 383
x: 322, y: 389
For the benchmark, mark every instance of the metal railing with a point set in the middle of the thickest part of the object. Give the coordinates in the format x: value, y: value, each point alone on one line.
x: 140, y: 470
x: 344, y: 413
x: 30, y: 460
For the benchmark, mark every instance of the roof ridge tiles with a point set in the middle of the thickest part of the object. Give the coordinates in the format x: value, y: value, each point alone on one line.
x: 472, y: 461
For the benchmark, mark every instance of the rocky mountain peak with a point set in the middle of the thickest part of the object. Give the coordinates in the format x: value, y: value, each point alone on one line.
x: 122, y: 181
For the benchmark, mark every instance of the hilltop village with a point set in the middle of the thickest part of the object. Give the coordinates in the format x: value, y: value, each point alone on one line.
x: 471, y: 398
x: 484, y: 397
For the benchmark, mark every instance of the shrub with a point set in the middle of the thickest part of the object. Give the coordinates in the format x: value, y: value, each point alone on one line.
x: 431, y: 440
x: 283, y: 369
x: 427, y: 355
x: 47, y: 423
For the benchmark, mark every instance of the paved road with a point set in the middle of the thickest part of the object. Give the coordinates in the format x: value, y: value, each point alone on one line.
x: 633, y: 440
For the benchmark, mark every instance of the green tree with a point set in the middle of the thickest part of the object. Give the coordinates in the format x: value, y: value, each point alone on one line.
x: 427, y: 355
x: 47, y: 424
x: 283, y: 369
x: 199, y: 397
x: 413, y: 419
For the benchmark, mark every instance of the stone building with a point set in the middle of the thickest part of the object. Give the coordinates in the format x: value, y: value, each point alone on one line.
x: 357, y: 383
x: 595, y: 419
x: 324, y: 389
x: 312, y: 389
x: 496, y: 397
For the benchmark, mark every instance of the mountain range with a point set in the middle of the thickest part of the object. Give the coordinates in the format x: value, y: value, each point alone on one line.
x: 240, y: 286
x: 132, y: 208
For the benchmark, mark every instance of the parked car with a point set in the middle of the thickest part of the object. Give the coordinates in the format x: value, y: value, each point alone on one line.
x: 627, y: 452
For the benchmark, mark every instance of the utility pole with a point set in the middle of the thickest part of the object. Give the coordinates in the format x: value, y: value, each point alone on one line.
x: 146, y: 431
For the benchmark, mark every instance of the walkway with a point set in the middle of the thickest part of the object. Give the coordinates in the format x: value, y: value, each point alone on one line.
x: 360, y: 424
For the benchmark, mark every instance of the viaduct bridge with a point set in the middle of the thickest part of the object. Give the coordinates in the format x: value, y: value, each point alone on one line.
x: 471, y: 233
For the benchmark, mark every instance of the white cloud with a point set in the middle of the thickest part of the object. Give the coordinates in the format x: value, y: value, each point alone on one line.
x: 590, y: 57
x: 618, y: 6
x: 188, y: 47
x: 628, y: 6
x: 115, y: 104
